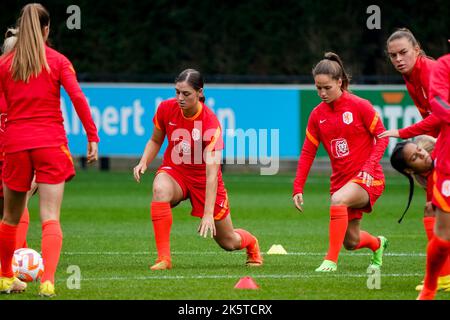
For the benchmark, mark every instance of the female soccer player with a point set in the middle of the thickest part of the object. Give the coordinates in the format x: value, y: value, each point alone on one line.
x: 410, y: 60
x: 438, y: 248
x: 348, y: 127
x: 35, y: 141
x: 415, y: 159
x: 22, y: 228
x: 191, y: 169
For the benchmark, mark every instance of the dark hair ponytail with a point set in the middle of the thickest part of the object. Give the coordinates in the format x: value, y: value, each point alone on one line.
x: 194, y: 78
x: 332, y: 65
x: 398, y: 162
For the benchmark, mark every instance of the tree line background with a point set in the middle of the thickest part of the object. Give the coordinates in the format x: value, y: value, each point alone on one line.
x: 235, y: 41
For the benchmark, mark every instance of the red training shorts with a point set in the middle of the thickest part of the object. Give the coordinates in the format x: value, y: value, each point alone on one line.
x: 1, y: 180
x: 51, y: 165
x: 374, y: 191
x: 195, y: 190
x: 441, y: 191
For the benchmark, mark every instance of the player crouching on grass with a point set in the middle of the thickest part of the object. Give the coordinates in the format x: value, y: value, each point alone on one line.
x: 415, y: 159
x: 191, y: 169
x: 348, y: 127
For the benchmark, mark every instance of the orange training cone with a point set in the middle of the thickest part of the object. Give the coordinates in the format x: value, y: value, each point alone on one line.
x: 246, y: 283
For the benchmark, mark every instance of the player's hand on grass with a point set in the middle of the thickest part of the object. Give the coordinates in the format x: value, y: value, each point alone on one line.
x: 92, y: 152
x: 366, y: 178
x: 389, y: 133
x: 207, y: 225
x: 298, y: 201
x: 139, y: 170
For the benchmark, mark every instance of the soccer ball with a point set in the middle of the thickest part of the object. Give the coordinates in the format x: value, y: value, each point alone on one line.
x: 27, y: 264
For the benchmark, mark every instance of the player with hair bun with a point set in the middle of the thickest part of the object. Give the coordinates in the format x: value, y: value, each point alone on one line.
x: 191, y: 170
x: 348, y: 127
x: 408, y: 58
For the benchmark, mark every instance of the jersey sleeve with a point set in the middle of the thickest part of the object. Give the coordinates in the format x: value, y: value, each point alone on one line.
x: 212, y: 136
x: 69, y: 82
x: 440, y: 89
x: 307, y: 155
x: 374, y: 125
x: 159, y: 117
x: 422, y: 110
x: 429, y: 126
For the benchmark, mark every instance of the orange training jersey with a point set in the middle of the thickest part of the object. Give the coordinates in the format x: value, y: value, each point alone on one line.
x: 34, y: 114
x: 188, y: 138
x: 418, y: 84
x: 2, y: 123
x: 348, y: 129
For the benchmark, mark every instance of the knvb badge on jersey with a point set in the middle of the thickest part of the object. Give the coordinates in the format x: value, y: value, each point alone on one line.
x: 192, y: 146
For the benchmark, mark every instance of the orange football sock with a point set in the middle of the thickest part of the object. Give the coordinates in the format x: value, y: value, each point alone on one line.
x: 22, y: 230
x: 428, y: 223
x: 437, y: 253
x: 247, y: 238
x: 161, y: 215
x: 366, y: 240
x: 51, y: 244
x: 7, y: 247
x: 337, y: 229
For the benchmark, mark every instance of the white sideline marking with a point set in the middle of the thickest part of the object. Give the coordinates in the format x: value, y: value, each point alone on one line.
x: 139, y: 253
x: 272, y: 276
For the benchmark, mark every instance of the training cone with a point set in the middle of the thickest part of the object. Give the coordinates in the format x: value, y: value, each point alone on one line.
x: 246, y: 283
x: 277, y: 249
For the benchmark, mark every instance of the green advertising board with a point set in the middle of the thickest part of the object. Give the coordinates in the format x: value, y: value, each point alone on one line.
x: 395, y: 106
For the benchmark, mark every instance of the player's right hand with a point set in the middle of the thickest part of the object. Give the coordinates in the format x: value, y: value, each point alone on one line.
x: 298, y: 201
x: 139, y: 170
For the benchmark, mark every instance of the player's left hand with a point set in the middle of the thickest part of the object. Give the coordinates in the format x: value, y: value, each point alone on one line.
x: 207, y: 225
x: 389, y: 133
x: 366, y: 178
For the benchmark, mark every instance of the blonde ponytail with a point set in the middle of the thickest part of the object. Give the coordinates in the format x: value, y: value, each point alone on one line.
x: 29, y: 58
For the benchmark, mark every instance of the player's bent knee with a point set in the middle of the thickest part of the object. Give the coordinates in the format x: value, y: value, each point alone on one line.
x: 428, y: 210
x: 226, y: 243
x: 338, y: 200
x: 351, y: 244
x: 162, y: 193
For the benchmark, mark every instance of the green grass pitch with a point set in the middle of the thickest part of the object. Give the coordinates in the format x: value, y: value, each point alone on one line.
x: 108, y: 235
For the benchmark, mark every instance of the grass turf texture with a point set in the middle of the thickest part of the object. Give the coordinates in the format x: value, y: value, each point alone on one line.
x: 109, y: 236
